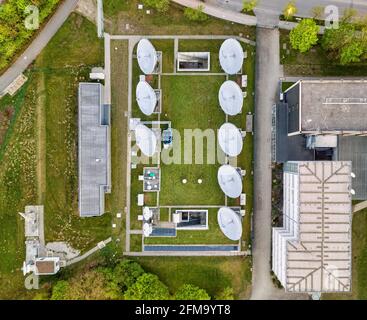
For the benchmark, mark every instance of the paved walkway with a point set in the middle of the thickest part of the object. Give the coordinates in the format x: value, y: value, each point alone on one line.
x: 267, y: 78
x: 99, y: 246
x: 38, y: 44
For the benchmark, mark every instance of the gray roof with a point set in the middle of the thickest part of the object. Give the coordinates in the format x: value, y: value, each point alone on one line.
x: 94, y: 150
x: 355, y: 149
x: 331, y: 105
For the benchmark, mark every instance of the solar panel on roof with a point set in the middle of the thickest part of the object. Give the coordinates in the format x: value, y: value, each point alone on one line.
x: 230, y: 98
x: 147, y: 56
x: 230, y: 181
x: 231, y: 56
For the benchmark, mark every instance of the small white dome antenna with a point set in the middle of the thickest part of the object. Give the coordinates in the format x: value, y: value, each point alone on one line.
x: 352, y: 192
x: 353, y: 175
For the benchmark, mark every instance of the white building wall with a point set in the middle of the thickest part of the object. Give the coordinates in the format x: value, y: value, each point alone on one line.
x: 290, y: 228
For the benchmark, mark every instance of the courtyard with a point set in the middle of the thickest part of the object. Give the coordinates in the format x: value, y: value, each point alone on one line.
x: 188, y: 101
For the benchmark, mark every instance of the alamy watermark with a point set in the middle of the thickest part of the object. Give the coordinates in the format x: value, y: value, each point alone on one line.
x: 31, y: 21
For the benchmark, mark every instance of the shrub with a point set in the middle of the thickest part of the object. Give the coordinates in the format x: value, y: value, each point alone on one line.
x: 60, y: 290
x: 304, y: 35
x: 225, y: 294
x: 196, y: 15
x: 191, y: 292
x: 126, y: 273
x: 249, y: 5
x: 147, y: 287
x: 159, y: 5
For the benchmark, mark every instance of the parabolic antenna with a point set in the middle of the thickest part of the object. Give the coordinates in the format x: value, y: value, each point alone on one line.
x: 230, y: 181
x: 230, y: 223
x: 231, y: 56
x: 230, y: 139
x: 147, y: 56
x: 145, y: 139
x: 230, y: 98
x: 147, y: 213
x: 147, y: 229
x: 146, y: 97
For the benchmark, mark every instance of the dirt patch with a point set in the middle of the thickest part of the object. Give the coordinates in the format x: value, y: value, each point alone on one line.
x: 88, y: 9
x: 5, y: 119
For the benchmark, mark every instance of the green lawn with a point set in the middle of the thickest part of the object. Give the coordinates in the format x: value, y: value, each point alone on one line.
x: 210, y: 273
x: 359, y: 260
x: 116, y: 201
x: 54, y: 77
x: 118, y: 15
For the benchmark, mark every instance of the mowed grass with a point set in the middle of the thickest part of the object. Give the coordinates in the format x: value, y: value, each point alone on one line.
x: 190, y: 103
x: 210, y: 273
x: 359, y: 260
x: 64, y: 69
x: 171, y: 22
x: 65, y: 61
x: 116, y: 201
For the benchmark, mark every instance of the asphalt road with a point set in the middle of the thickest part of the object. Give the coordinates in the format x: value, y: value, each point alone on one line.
x: 267, y: 78
x: 304, y: 6
x: 35, y: 48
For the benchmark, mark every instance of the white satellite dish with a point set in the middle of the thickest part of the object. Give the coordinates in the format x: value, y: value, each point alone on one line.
x: 230, y: 139
x: 230, y: 181
x: 147, y: 229
x: 230, y: 98
x: 147, y: 56
x: 231, y: 56
x: 230, y: 223
x: 145, y: 139
x: 147, y: 213
x: 146, y: 97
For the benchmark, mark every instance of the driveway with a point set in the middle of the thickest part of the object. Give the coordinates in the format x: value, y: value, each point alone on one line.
x: 267, y: 78
x: 35, y: 48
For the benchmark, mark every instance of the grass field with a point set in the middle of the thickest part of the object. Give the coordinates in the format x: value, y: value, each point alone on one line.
x: 359, y: 260
x: 210, y: 273
x: 58, y: 72
x: 119, y: 15
x: 116, y: 201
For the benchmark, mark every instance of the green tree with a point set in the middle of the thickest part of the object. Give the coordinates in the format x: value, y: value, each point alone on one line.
x: 126, y: 273
x: 191, y: 292
x: 249, y: 5
x: 147, y: 287
x: 60, y: 290
x: 352, y: 53
x: 225, y: 294
x: 290, y: 10
x: 304, y: 35
x: 159, y: 5
x: 345, y: 43
x: 196, y: 15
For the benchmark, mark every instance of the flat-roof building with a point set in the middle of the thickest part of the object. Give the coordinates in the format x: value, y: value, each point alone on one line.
x: 312, y: 250
x: 94, y: 150
x: 327, y: 107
